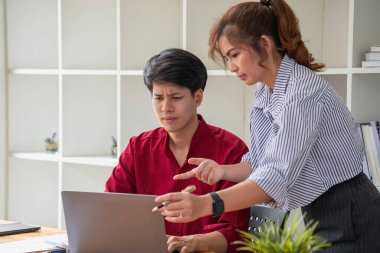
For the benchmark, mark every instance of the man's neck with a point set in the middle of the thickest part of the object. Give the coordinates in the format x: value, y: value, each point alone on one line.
x: 182, y: 139
x: 179, y: 142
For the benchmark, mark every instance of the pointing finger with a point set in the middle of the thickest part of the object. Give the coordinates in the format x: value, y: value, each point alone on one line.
x: 185, y: 175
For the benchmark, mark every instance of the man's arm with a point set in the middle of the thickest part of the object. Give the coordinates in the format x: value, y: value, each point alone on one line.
x: 122, y: 179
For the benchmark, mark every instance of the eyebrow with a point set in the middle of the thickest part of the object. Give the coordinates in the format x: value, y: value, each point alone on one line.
x: 170, y: 94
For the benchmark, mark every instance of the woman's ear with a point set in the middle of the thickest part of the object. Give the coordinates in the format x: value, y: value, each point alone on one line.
x: 267, y: 43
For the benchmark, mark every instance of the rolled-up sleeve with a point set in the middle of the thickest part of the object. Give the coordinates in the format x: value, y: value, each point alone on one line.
x: 294, y: 132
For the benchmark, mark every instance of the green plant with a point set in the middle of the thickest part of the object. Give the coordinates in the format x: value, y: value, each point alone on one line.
x: 51, y: 139
x: 273, y: 239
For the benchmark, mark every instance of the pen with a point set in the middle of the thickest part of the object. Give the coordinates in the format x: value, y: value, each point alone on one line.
x: 189, y: 188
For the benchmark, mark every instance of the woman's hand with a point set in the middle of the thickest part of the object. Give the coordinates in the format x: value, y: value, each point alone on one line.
x: 184, y: 206
x: 207, y: 171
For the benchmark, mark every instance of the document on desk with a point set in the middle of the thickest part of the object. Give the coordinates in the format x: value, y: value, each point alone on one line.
x: 40, y: 243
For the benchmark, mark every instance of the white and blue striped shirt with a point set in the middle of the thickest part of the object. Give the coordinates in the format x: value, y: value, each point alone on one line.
x: 303, y: 138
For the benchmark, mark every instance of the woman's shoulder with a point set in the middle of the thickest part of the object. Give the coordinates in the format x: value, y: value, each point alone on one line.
x: 305, y: 81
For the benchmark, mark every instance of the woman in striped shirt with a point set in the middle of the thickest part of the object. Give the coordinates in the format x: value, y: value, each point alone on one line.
x: 305, y: 150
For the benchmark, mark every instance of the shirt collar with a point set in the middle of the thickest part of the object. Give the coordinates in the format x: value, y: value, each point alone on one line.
x: 200, y: 134
x: 263, y: 93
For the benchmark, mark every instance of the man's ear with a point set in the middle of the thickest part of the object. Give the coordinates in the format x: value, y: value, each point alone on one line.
x: 198, y: 95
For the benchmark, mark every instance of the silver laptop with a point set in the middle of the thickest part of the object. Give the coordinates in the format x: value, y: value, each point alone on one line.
x: 113, y: 223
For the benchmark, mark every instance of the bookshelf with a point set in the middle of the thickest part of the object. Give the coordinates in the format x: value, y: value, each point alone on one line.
x: 75, y: 68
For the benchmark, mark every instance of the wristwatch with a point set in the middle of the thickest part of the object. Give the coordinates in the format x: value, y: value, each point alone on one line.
x: 217, y: 204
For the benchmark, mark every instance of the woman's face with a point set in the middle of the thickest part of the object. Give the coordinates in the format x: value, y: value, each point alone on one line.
x: 243, y: 60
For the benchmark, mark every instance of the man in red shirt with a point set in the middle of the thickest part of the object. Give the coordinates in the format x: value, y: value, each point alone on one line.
x: 176, y: 80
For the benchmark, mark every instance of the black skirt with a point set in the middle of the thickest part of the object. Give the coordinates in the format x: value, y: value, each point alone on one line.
x: 349, y: 216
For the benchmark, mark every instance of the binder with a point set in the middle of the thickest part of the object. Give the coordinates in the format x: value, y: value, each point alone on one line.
x: 17, y: 228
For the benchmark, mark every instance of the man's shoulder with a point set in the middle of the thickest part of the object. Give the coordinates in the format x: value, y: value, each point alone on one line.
x: 224, y: 136
x: 151, y: 135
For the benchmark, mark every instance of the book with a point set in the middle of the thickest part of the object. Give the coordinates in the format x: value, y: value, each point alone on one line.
x: 365, y: 160
x: 17, y: 228
x: 375, y: 48
x: 376, y: 143
x: 370, y: 64
x: 369, y: 148
x: 372, y: 56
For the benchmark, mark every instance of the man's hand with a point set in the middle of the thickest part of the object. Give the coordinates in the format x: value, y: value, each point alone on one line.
x: 183, y: 244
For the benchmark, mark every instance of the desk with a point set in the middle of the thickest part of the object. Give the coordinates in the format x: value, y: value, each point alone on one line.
x: 42, y: 232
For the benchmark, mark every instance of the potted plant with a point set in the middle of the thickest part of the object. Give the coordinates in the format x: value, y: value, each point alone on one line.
x: 114, y: 147
x: 51, y: 144
x: 272, y: 238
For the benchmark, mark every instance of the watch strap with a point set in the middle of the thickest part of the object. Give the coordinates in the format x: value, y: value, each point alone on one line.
x: 217, y: 204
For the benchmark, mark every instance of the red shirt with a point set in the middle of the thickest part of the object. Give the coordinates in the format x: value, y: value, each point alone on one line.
x: 147, y: 166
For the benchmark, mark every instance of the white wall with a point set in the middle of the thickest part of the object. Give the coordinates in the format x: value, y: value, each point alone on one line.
x: 3, y: 157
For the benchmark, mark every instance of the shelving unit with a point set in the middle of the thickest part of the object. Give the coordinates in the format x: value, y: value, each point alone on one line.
x: 75, y: 68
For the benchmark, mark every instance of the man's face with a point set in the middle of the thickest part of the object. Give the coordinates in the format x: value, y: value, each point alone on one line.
x: 175, y: 107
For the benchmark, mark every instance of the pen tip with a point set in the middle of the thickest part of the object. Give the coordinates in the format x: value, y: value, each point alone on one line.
x: 154, y: 209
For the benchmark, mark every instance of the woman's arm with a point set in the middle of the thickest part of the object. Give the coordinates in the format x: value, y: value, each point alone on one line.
x: 186, y: 207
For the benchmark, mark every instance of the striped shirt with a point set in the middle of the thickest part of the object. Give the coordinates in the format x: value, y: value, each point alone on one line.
x: 303, y: 138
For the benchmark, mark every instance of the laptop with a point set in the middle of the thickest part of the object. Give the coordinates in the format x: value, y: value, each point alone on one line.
x: 113, y: 223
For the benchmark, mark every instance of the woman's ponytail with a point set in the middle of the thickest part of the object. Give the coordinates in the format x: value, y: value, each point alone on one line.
x: 289, y: 35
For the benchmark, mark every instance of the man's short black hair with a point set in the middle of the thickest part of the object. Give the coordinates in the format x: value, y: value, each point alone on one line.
x: 176, y: 66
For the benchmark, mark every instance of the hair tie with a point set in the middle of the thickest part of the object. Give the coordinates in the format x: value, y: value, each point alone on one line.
x: 265, y: 2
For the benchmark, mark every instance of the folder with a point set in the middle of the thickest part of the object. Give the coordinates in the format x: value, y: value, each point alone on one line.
x: 17, y: 228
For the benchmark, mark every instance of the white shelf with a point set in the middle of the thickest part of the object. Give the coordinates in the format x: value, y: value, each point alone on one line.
x: 334, y: 71
x: 34, y: 71
x: 104, y: 160
x: 131, y: 72
x: 89, y: 72
x: 366, y: 70
x: 36, y: 156
x: 213, y: 72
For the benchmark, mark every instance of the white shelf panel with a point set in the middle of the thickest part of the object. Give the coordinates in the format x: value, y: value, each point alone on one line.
x: 31, y: 33
x: 33, y: 192
x: 366, y: 70
x: 131, y: 72
x: 33, y: 111
x: 330, y: 71
x: 92, y: 160
x: 88, y: 34
x: 334, y: 71
x: 34, y: 71
x: 144, y: 34
x: 134, y: 122
x: 89, y: 72
x: 38, y: 156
